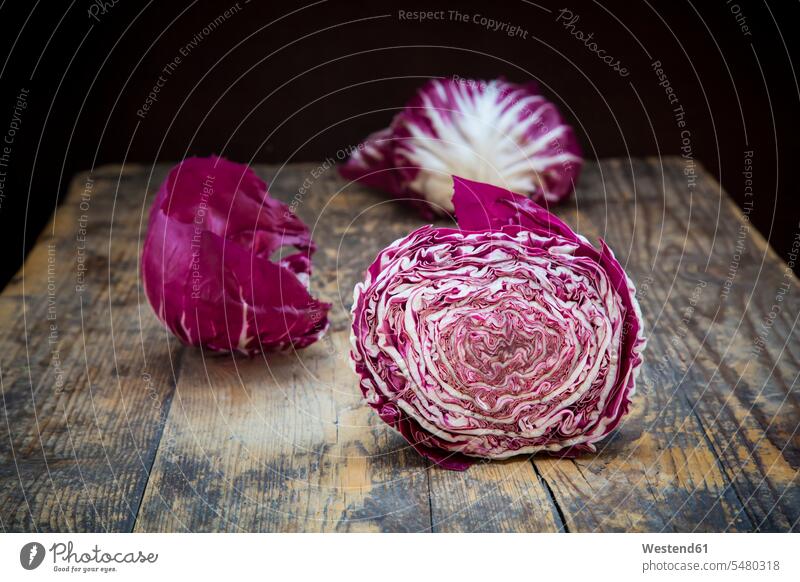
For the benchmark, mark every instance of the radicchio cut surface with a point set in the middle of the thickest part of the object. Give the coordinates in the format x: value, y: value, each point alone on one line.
x: 495, y: 132
x: 512, y: 335
x: 207, y: 266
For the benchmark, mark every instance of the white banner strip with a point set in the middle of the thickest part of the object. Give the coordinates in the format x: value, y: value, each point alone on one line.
x: 406, y: 557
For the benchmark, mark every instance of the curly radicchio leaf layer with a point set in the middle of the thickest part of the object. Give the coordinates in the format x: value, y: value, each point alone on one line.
x: 511, y: 336
x: 495, y: 132
x: 206, y: 262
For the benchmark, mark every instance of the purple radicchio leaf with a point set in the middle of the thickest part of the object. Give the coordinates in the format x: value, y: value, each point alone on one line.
x: 207, y: 266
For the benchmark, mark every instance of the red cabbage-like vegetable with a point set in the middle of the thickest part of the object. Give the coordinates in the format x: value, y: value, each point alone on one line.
x: 495, y: 132
x: 511, y: 336
x: 207, y: 268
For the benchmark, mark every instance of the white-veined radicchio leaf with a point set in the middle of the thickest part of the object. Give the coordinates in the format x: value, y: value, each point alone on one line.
x: 494, y: 132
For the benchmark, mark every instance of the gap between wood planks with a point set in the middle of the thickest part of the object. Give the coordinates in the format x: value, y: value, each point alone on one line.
x: 168, y: 405
x: 556, y: 507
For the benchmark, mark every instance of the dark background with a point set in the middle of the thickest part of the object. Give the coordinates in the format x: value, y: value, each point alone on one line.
x: 321, y: 78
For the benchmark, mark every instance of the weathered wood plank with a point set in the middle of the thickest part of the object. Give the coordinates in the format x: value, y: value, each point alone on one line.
x: 81, y: 412
x: 507, y: 496
x: 748, y: 399
x: 281, y: 444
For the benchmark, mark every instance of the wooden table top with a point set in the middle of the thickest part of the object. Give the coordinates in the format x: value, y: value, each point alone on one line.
x: 109, y: 424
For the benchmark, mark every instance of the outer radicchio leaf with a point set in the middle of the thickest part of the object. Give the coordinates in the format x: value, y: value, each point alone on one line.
x: 513, y: 335
x: 495, y: 132
x: 207, y: 266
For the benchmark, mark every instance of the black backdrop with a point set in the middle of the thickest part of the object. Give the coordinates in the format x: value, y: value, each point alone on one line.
x: 264, y: 83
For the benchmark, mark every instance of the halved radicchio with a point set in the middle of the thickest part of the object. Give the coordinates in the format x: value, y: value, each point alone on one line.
x: 207, y: 268
x: 494, y: 132
x: 512, y: 335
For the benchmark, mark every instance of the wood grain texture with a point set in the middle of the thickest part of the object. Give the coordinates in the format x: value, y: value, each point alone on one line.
x: 280, y: 444
x: 81, y: 409
x: 147, y: 435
